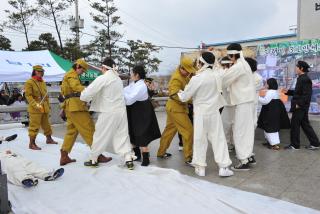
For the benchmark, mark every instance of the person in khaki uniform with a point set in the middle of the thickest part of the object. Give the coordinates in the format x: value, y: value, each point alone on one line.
x: 38, y: 108
x: 78, y: 117
x: 177, y: 112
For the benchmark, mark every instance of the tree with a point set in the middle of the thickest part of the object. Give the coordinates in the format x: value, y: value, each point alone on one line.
x: 45, y: 42
x: 72, y: 52
x: 107, y: 37
x: 5, y: 43
x: 139, y: 52
x: 22, y: 18
x: 52, y: 8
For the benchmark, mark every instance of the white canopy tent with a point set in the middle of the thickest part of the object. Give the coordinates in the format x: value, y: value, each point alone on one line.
x: 16, y: 66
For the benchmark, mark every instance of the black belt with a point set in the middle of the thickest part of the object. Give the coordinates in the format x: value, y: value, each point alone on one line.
x: 76, y: 94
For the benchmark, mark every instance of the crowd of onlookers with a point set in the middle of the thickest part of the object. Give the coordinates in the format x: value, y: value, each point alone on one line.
x: 15, y: 99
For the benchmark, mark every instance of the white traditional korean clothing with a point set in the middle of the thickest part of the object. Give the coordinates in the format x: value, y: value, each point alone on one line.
x: 19, y: 168
x: 205, y: 90
x: 106, y: 96
x: 239, y: 79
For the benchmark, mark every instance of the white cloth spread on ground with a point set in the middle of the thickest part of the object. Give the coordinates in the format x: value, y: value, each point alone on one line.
x: 106, y: 94
x: 116, y: 190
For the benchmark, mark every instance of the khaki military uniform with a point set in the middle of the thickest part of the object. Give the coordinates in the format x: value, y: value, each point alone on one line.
x: 38, y: 117
x: 177, y: 118
x: 78, y: 117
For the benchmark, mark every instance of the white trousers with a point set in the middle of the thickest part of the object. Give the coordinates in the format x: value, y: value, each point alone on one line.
x: 255, y: 115
x: 19, y: 168
x: 228, y: 123
x: 272, y: 138
x: 111, y: 128
x: 243, y: 132
x: 209, y: 128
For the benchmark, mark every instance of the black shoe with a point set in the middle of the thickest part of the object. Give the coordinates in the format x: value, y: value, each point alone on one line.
x: 58, y: 173
x: 130, y: 165
x: 180, y: 146
x: 291, y: 147
x: 252, y: 160
x: 165, y: 156
x: 29, y: 183
x: 310, y: 147
x: 10, y: 138
x: 90, y: 163
x: 188, y: 162
x: 241, y: 167
x: 137, y: 153
x: 145, y: 159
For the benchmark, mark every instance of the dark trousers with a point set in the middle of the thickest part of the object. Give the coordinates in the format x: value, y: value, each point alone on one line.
x: 190, y: 115
x: 300, y: 118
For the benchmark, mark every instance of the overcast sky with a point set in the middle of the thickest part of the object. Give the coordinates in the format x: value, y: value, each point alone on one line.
x: 181, y: 22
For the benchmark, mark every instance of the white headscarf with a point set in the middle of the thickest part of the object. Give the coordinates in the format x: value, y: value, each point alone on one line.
x: 214, y: 68
x: 114, y: 68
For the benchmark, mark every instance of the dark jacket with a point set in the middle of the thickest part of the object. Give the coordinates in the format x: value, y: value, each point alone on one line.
x: 301, y: 94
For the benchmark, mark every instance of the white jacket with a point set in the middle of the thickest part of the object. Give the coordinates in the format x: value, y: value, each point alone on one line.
x: 136, y: 91
x: 205, y: 90
x: 239, y: 79
x: 258, y: 81
x: 270, y: 95
x: 105, y: 92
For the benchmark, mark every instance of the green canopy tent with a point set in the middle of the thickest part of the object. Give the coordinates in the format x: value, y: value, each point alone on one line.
x: 90, y: 75
x: 66, y: 65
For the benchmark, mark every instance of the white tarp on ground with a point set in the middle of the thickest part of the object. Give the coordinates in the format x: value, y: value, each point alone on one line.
x: 113, y: 189
x: 16, y: 66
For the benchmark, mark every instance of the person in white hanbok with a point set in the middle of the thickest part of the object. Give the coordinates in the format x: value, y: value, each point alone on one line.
x: 205, y: 91
x: 239, y: 79
x: 142, y: 120
x: 258, y: 81
x: 273, y: 115
x: 22, y: 171
x: 106, y: 96
x: 227, y: 114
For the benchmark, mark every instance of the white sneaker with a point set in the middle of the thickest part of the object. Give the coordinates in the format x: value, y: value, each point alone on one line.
x: 200, y: 171
x: 180, y: 148
x: 225, y: 172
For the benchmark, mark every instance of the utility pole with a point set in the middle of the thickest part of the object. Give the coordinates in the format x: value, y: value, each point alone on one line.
x: 77, y: 23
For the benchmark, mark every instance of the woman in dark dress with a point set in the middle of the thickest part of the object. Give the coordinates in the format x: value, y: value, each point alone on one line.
x: 142, y: 120
x: 273, y: 115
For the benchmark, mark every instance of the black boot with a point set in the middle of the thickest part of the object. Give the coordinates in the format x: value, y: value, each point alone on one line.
x: 145, y: 159
x: 137, y: 153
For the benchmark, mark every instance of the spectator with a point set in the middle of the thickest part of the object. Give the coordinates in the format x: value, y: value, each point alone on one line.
x: 4, y: 98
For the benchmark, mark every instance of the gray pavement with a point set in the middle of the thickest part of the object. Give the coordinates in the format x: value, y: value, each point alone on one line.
x: 292, y: 176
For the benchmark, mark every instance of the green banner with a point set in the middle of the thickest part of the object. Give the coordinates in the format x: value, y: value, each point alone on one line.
x: 66, y: 65
x: 305, y: 47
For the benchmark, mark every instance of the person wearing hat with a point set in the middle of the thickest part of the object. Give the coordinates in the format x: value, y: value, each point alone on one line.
x: 205, y: 90
x: 38, y: 107
x: 239, y: 79
x: 177, y: 112
x: 76, y: 111
x: 300, y: 103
